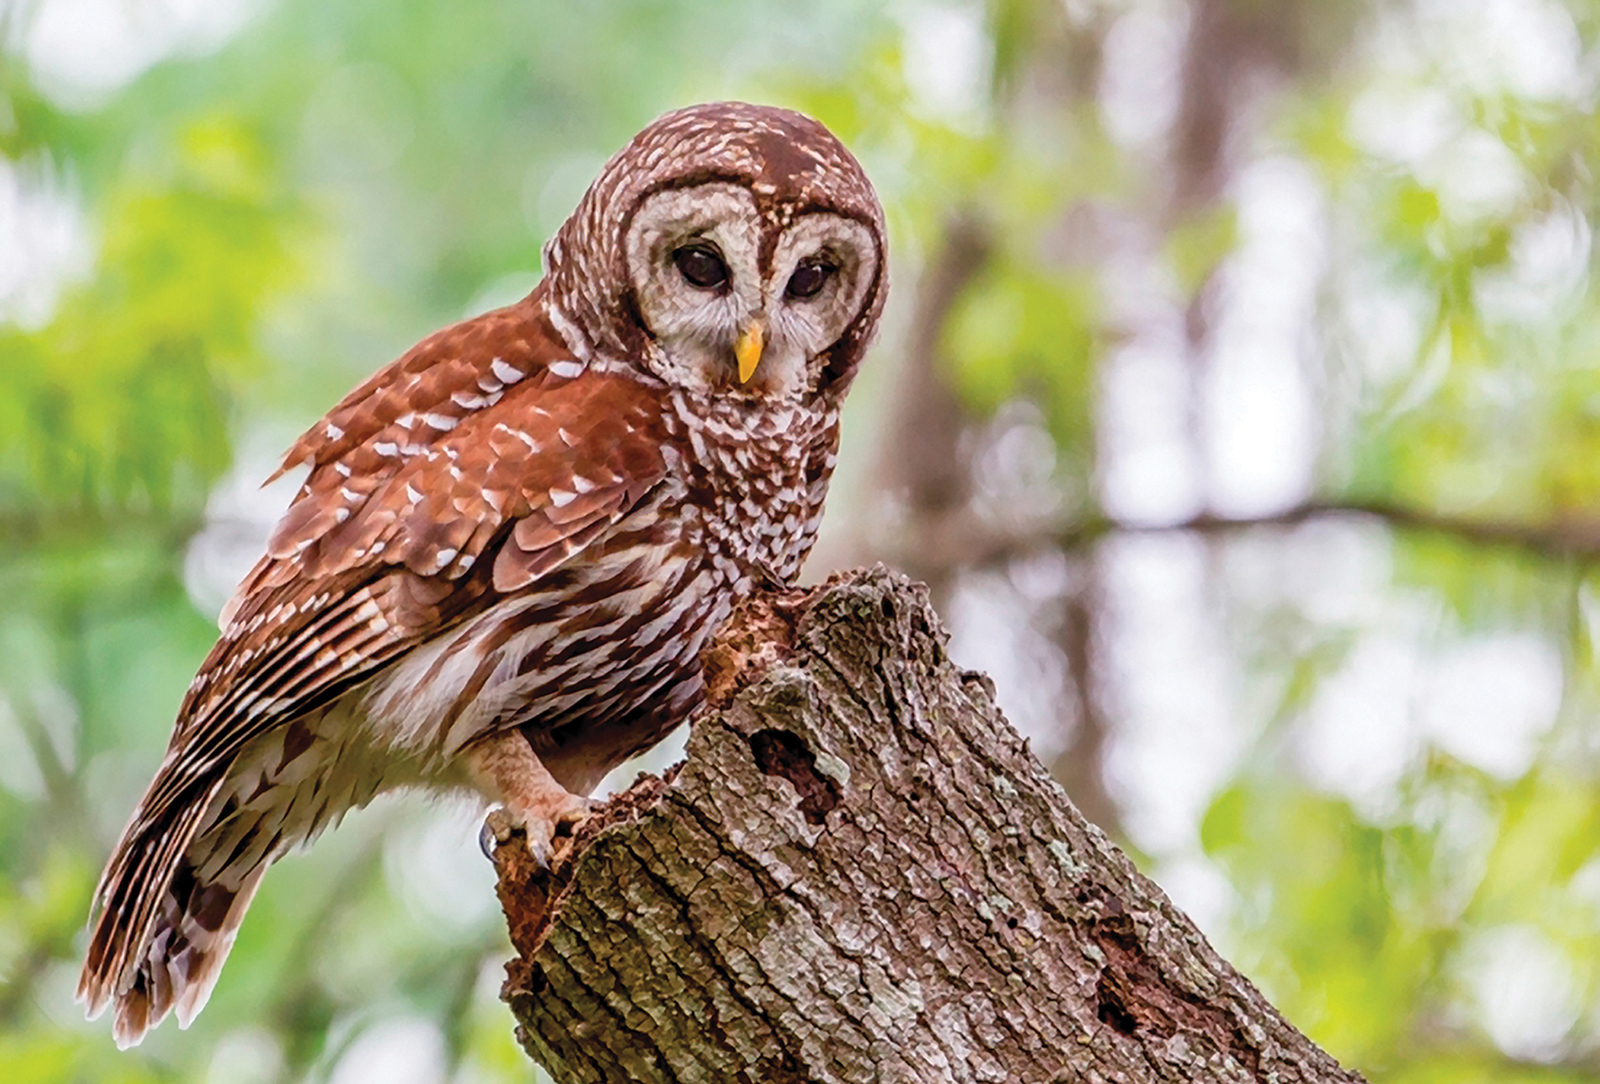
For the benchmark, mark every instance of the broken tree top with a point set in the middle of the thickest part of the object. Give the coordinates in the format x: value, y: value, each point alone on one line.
x: 860, y: 873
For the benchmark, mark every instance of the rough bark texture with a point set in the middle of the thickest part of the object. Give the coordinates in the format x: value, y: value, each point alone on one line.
x: 860, y: 873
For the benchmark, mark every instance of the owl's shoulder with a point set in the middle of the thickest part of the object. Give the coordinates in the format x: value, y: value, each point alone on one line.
x: 447, y: 378
x: 485, y: 423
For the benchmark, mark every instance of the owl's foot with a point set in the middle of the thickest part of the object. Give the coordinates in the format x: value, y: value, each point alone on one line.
x: 506, y: 769
x: 539, y: 829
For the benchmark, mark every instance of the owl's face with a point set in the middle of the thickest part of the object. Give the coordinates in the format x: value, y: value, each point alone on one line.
x: 729, y: 249
x: 736, y: 302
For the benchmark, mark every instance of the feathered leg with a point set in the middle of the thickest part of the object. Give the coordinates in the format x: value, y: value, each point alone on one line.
x: 505, y: 766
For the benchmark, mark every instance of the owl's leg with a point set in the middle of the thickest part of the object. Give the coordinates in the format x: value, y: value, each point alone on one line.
x: 505, y: 767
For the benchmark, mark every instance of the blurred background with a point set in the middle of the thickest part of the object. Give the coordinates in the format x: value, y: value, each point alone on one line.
x: 1240, y: 401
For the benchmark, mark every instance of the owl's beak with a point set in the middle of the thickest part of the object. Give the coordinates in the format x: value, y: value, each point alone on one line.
x: 748, y: 349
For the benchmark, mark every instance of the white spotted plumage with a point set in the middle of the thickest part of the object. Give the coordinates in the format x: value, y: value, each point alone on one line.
x: 514, y: 542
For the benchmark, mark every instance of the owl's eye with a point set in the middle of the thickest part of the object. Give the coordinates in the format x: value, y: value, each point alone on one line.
x: 701, y: 266
x: 809, y: 278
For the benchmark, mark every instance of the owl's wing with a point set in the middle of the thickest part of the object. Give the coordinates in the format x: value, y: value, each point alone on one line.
x: 475, y: 464
x: 480, y: 461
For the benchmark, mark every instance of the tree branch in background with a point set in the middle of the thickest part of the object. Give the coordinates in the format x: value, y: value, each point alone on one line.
x: 1567, y: 540
x: 860, y: 873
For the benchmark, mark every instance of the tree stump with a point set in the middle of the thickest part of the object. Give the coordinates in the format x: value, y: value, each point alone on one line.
x: 860, y: 873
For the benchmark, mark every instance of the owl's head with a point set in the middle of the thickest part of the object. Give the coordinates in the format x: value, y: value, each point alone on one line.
x: 730, y: 249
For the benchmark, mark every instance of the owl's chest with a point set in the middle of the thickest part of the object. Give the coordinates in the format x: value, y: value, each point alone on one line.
x: 753, y: 483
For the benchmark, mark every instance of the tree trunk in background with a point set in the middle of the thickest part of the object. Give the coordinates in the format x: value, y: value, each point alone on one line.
x: 924, y: 465
x: 1081, y: 767
x: 860, y: 873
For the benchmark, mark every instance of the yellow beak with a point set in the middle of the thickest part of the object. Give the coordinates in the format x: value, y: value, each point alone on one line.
x: 748, y: 349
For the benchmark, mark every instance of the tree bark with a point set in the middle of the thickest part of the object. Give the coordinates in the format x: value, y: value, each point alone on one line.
x: 860, y: 873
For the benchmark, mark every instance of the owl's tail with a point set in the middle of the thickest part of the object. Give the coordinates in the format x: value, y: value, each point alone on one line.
x: 169, y: 905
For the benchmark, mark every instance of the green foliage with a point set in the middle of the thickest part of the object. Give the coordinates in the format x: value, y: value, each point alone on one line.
x: 123, y: 397
x: 1351, y: 966
x: 1198, y: 246
x: 1019, y: 330
x: 272, y: 217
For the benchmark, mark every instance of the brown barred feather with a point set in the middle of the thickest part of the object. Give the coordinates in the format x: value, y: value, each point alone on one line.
x: 508, y: 550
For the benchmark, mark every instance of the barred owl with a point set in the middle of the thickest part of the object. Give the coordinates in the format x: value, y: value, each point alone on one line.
x: 514, y: 541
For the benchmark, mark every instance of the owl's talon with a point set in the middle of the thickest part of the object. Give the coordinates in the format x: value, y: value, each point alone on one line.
x: 539, y: 851
x: 562, y: 823
x: 497, y: 830
x: 539, y: 831
x: 574, y: 814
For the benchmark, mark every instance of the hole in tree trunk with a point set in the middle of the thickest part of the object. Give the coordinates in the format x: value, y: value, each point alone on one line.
x: 1111, y: 1009
x: 780, y: 753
